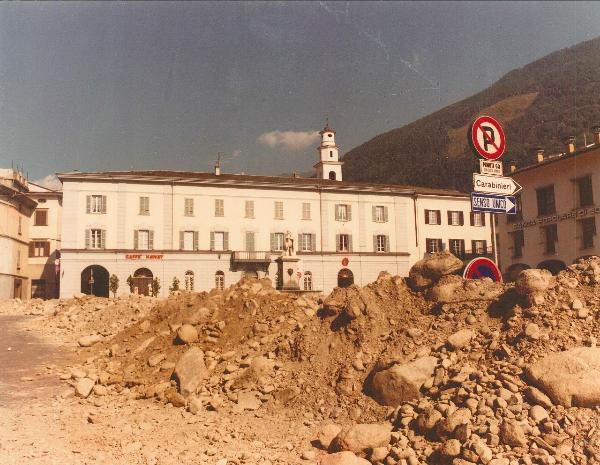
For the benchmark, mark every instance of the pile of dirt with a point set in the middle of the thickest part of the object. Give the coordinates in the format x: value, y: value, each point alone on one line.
x: 430, y: 369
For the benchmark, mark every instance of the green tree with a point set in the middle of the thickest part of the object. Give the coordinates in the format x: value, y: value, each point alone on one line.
x: 113, y: 284
x: 130, y: 283
x: 155, y: 287
x: 175, y: 285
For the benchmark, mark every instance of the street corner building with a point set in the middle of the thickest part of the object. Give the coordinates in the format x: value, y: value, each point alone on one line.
x: 208, y: 230
x: 555, y: 224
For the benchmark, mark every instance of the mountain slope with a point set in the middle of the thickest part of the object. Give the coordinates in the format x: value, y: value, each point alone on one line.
x: 538, y: 105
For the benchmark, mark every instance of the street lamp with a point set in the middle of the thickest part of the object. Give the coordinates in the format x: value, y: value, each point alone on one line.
x: 91, y: 282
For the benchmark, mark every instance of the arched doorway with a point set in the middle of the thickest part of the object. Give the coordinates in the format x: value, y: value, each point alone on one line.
x: 553, y: 266
x: 345, y: 278
x: 332, y: 176
x: 142, y: 280
x: 513, y: 271
x: 94, y: 281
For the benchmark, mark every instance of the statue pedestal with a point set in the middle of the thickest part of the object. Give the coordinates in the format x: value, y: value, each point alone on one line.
x: 287, y: 268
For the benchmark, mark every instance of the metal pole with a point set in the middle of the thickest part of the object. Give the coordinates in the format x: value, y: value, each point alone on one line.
x: 493, y: 218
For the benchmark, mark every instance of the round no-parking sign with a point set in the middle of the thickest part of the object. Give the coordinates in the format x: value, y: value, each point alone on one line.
x: 482, y: 268
x: 487, y: 138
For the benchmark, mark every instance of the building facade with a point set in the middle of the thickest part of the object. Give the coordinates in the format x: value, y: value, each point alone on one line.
x: 556, y: 220
x: 15, y: 210
x: 44, y: 243
x: 210, y: 229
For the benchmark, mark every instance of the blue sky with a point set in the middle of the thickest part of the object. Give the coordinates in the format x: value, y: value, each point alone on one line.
x: 135, y: 85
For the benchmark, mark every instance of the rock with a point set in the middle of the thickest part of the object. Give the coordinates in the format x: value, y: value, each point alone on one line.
x: 583, y: 313
x: 454, y: 288
x: 499, y: 461
x: 450, y: 448
x: 402, y: 383
x: 483, y: 451
x: 190, y: 371
x: 172, y: 396
x: 535, y: 396
x: 248, y: 401
x: 427, y: 271
x: 145, y: 326
x: 532, y: 331
x: 512, y: 434
x: 460, y: 339
x: 100, y: 390
x: 538, y: 413
x: 379, y: 454
x: 427, y: 420
x: 327, y: 434
x: 343, y: 458
x: 569, y: 378
x: 88, y: 341
x: 447, y: 426
x: 194, y: 406
x: 533, y: 281
x: 576, y: 304
x: 362, y: 438
x: 308, y: 455
x: 84, y: 387
x: 156, y: 359
x: 187, y: 334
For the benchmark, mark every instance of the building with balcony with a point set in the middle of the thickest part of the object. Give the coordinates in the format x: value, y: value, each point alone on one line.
x: 15, y: 210
x: 556, y: 218
x: 210, y: 229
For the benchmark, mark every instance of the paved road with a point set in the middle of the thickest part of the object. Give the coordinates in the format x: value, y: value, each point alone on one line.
x: 22, y: 355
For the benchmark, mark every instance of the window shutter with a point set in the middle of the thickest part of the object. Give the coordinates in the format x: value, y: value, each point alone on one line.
x: 313, y: 242
x: 375, y: 243
x: 299, y: 243
x: 385, y: 214
x: 439, y: 216
x: 349, y: 242
x: 181, y: 240
x: 195, y: 240
x: 484, y: 246
x: 104, y: 204
x: 212, y: 240
x: 151, y: 240
x: 225, y: 241
x: 46, y: 249
x: 472, y: 218
x: 337, y: 212
x: 103, y: 239
x: 337, y: 242
x: 88, y: 203
x: 31, y: 249
x: 426, y: 216
x: 461, y: 218
x: 135, y: 239
x: 387, y: 243
x: 449, y: 218
x: 87, y: 237
x: 273, y: 241
x: 482, y: 219
x: 349, y: 212
x: 374, y: 210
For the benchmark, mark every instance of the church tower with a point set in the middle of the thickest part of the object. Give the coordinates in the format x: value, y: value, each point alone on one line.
x: 329, y: 165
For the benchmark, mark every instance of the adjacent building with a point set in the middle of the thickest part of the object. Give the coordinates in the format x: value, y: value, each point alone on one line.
x: 210, y: 229
x: 44, y: 242
x: 16, y: 209
x: 556, y: 220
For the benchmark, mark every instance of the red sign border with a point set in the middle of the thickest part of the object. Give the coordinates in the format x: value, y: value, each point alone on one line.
x: 475, y: 144
x: 488, y: 261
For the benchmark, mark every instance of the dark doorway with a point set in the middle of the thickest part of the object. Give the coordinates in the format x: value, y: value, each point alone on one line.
x: 142, y: 280
x: 345, y: 278
x: 332, y: 175
x: 94, y: 281
x: 553, y: 266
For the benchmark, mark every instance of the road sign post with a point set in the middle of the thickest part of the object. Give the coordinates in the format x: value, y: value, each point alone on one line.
x: 482, y: 267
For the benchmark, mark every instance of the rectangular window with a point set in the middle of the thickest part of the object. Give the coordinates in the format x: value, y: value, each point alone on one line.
x: 433, y: 217
x: 545, y: 201
x: 433, y: 245
x: 20, y: 226
x: 518, y: 241
x: 188, y: 240
x: 188, y: 208
x: 455, y: 218
x: 381, y: 243
x: 144, y: 205
x: 585, y: 192
x: 143, y: 239
x: 344, y: 243
x: 278, y: 210
x: 457, y: 247
x: 306, y: 242
x: 277, y: 242
x: 479, y: 247
x: 250, y: 241
x: 18, y: 259
x: 306, y: 211
x: 219, y: 207
x: 477, y: 219
x: 380, y: 214
x: 219, y: 240
x: 588, y: 231
x: 95, y: 239
x: 39, y: 249
x: 96, y: 204
x: 550, y: 234
x: 40, y: 218
x: 249, y: 209
x: 343, y: 212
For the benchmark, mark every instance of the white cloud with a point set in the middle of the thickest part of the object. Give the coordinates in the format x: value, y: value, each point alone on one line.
x: 289, y: 140
x: 50, y: 181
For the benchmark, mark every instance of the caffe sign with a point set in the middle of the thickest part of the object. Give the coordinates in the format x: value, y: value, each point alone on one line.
x: 573, y: 214
x: 141, y: 256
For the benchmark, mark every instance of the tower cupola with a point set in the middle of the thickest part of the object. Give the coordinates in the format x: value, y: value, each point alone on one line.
x: 329, y: 165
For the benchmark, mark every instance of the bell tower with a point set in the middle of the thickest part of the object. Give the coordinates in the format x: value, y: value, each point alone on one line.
x: 329, y: 165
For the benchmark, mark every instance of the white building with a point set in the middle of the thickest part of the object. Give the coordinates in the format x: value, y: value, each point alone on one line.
x: 209, y: 229
x: 44, y: 242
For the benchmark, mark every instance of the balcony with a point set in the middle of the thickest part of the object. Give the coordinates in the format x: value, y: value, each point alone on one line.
x: 468, y: 255
x: 244, y: 256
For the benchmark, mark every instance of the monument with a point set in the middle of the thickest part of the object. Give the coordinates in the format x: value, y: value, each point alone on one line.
x: 288, y: 265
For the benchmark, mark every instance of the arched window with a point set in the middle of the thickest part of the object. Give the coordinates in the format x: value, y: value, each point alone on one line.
x: 345, y: 278
x: 189, y: 280
x: 219, y: 280
x: 332, y: 175
x: 308, y: 283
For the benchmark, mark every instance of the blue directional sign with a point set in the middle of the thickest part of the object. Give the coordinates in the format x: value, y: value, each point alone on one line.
x: 493, y: 203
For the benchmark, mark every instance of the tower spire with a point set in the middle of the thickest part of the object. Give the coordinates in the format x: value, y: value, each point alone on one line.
x: 329, y: 166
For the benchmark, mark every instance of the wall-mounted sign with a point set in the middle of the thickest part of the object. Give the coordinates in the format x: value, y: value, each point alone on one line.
x: 345, y: 261
x: 490, y: 167
x: 579, y: 213
x: 495, y: 184
x: 140, y: 256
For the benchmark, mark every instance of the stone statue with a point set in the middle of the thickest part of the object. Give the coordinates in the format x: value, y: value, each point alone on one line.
x: 289, y: 245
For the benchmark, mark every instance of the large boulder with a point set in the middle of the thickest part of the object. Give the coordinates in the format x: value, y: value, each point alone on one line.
x: 343, y: 458
x: 533, y: 283
x: 401, y: 383
x: 190, y: 371
x: 569, y: 378
x: 454, y: 288
x: 430, y: 269
x: 362, y: 438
